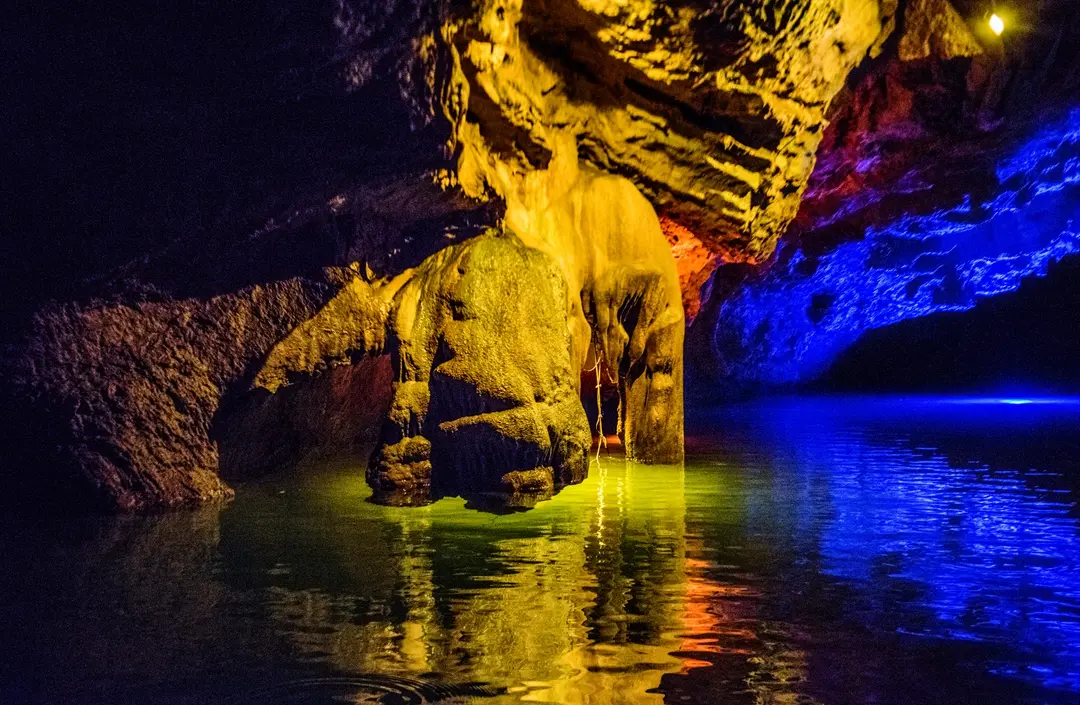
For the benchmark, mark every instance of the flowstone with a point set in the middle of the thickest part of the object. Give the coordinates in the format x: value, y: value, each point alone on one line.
x: 489, y: 339
x: 624, y: 302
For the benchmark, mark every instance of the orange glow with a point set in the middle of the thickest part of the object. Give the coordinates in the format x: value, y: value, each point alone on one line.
x: 693, y: 260
x: 704, y: 615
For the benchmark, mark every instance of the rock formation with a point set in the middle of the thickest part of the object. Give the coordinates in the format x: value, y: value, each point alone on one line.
x: 157, y: 395
x: 485, y: 399
x: 714, y: 110
x: 491, y: 337
x: 790, y: 323
x: 238, y: 252
x: 114, y: 405
x: 624, y: 301
x: 942, y: 179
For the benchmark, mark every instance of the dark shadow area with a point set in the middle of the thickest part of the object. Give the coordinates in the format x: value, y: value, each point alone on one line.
x: 606, y: 402
x: 330, y: 416
x: 141, y: 137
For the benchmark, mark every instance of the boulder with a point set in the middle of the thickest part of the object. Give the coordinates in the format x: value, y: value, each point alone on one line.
x: 485, y: 399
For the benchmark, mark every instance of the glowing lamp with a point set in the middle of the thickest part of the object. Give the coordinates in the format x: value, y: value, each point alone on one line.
x: 997, y: 25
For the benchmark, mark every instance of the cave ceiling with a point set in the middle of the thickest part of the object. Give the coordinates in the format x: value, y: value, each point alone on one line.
x: 715, y: 110
x: 239, y: 118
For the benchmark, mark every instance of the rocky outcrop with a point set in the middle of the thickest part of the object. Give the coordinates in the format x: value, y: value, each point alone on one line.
x: 715, y: 111
x: 227, y: 291
x: 187, y: 377
x: 489, y: 340
x: 935, y: 28
x: 119, y: 401
x: 941, y: 180
x: 485, y: 400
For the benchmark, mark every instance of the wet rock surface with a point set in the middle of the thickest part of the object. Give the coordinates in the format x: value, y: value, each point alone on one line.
x: 182, y: 376
x: 485, y: 401
x: 112, y: 406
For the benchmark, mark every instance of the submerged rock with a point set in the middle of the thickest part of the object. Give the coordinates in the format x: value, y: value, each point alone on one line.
x: 485, y: 400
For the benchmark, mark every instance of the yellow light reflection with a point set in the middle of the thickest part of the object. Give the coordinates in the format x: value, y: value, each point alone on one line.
x: 591, y: 598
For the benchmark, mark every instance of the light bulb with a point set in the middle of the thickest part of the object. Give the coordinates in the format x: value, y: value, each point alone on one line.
x: 997, y: 25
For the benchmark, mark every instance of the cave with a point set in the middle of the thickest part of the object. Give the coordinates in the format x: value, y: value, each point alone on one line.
x: 563, y: 351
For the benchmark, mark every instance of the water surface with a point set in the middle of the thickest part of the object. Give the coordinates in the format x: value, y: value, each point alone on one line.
x: 810, y: 551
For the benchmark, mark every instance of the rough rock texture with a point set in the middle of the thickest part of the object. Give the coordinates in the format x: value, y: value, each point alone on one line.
x: 351, y: 326
x: 939, y: 181
x: 588, y: 240
x: 220, y: 217
x: 935, y: 28
x: 624, y: 302
x: 788, y: 325
x: 333, y: 415
x: 153, y: 396
x: 714, y: 110
x: 122, y: 398
x: 485, y: 398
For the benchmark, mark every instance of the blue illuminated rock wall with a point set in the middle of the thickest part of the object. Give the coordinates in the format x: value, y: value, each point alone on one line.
x: 787, y: 324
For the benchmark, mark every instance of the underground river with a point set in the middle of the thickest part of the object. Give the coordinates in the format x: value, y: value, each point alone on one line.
x: 811, y: 550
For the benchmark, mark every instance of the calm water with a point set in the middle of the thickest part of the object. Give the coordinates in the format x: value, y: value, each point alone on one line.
x: 811, y: 551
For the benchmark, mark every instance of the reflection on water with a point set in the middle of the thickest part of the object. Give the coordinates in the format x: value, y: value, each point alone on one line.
x: 578, y: 600
x: 811, y: 551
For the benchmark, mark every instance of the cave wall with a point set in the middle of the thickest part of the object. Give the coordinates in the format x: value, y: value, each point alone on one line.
x: 163, y: 386
x: 121, y: 399
x: 789, y: 324
x: 194, y: 184
x: 212, y: 209
x: 1015, y: 345
x: 941, y: 180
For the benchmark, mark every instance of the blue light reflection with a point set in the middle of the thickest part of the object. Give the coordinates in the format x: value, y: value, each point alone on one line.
x: 948, y: 519
x: 1012, y: 400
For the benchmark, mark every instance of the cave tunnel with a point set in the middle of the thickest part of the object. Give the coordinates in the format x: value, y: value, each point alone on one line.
x: 561, y: 351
